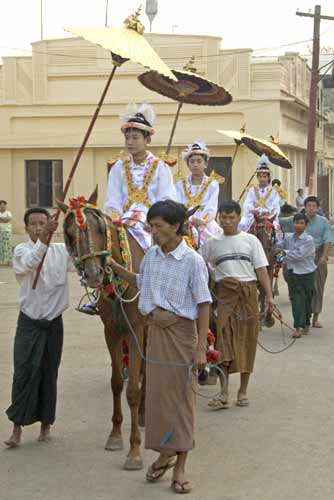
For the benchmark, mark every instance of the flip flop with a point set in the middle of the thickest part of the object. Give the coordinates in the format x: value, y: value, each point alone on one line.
x: 155, y: 473
x: 218, y: 404
x: 243, y: 402
x: 180, y: 486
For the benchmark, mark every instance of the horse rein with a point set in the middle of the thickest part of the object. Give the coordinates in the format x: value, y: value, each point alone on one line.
x: 79, y: 209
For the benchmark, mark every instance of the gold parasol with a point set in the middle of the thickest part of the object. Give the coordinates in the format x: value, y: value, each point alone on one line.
x: 124, y: 43
x: 237, y: 136
x: 259, y: 147
x: 189, y: 88
x: 269, y: 148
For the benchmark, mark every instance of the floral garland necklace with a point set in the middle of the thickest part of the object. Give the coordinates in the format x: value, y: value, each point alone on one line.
x: 139, y: 195
x: 196, y: 199
x: 262, y: 202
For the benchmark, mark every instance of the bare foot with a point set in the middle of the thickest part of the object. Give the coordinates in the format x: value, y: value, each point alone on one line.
x: 316, y: 324
x: 45, y: 433
x: 15, y: 438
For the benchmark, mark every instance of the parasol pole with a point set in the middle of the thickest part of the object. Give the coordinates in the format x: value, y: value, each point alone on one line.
x: 174, y: 127
x: 77, y: 158
x: 227, y: 180
x: 245, y: 189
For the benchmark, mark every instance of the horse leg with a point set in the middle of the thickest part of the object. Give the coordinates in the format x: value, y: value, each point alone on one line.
x: 141, y: 410
x: 134, y: 459
x: 115, y: 440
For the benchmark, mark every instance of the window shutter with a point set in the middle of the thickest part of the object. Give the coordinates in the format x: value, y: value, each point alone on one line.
x: 57, y: 178
x: 32, y: 191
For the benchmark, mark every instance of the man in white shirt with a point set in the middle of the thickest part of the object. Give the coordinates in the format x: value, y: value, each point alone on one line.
x: 237, y: 261
x: 39, y: 334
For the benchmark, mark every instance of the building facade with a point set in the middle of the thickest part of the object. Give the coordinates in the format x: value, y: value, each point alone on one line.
x: 47, y: 100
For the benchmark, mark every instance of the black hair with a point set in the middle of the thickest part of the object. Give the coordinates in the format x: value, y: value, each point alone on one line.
x: 170, y: 211
x: 36, y: 210
x: 300, y: 189
x: 194, y: 153
x: 3, y: 201
x: 135, y: 129
x: 276, y: 181
x: 312, y: 199
x: 300, y: 216
x: 229, y: 206
x: 287, y: 209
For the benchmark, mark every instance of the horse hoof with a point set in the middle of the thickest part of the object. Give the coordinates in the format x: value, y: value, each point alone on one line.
x: 114, y: 443
x: 141, y: 419
x: 133, y: 463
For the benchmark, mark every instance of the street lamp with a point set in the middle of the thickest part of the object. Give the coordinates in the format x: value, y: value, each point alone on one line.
x: 151, y: 10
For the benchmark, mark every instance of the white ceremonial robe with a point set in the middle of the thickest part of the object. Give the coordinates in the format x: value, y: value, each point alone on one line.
x: 207, y: 213
x: 161, y: 187
x: 272, y: 207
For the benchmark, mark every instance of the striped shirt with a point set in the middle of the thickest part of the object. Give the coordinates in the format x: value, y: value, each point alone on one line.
x: 176, y: 281
x: 236, y: 256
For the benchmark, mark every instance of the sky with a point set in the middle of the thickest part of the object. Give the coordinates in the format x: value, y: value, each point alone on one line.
x: 256, y: 24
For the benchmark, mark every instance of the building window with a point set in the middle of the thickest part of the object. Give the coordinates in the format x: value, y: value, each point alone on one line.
x: 44, y: 182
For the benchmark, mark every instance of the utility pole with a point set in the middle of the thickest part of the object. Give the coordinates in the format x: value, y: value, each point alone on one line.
x: 106, y: 19
x: 312, y: 122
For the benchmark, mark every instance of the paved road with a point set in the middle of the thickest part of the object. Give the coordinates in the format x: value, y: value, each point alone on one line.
x: 281, y: 447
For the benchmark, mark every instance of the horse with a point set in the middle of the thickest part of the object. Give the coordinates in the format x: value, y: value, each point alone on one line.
x: 90, y: 236
x: 264, y: 229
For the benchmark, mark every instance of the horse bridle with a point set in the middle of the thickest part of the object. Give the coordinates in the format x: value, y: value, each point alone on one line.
x: 83, y: 225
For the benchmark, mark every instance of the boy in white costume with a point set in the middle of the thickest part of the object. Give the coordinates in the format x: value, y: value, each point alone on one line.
x: 199, y: 189
x: 138, y: 179
x: 261, y: 199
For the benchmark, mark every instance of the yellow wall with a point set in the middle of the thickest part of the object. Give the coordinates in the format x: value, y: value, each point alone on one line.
x: 46, y: 103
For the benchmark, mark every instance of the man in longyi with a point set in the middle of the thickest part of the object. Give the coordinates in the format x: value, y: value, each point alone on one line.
x: 173, y: 282
x: 238, y: 261
x: 320, y: 229
x: 39, y: 335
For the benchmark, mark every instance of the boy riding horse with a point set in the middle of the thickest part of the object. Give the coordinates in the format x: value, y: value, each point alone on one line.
x: 262, y: 199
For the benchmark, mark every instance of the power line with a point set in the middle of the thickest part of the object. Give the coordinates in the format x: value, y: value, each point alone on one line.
x: 183, y: 58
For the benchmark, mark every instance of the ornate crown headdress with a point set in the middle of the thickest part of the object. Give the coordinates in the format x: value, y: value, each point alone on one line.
x: 140, y: 116
x: 197, y: 148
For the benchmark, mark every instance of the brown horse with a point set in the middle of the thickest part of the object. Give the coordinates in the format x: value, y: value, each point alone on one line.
x: 90, y: 237
x: 263, y: 228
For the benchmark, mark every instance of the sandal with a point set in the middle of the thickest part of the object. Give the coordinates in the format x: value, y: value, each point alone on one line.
x: 218, y: 403
x: 243, y: 402
x: 181, y: 486
x: 155, y: 473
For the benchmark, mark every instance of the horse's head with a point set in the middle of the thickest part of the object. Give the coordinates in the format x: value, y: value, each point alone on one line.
x: 264, y: 230
x: 87, y: 238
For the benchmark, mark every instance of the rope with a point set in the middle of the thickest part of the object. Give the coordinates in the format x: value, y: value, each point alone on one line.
x: 190, y: 366
x: 276, y: 313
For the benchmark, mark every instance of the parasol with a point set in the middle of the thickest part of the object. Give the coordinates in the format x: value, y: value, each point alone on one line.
x: 269, y: 148
x: 189, y: 88
x: 125, y: 43
x: 259, y: 147
x: 237, y: 136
